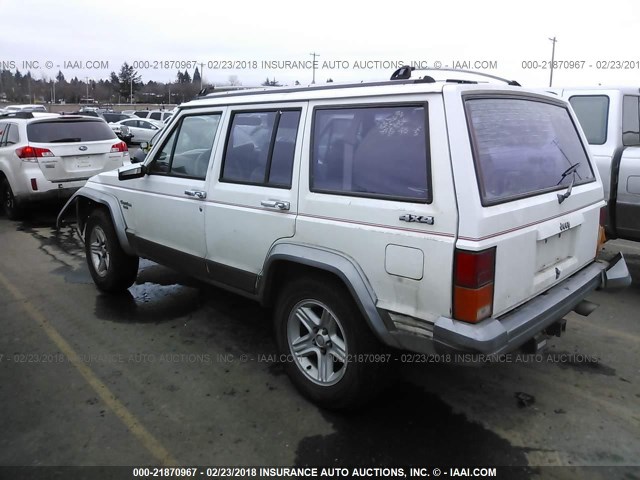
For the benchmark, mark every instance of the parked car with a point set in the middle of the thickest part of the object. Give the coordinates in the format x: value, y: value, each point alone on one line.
x: 145, y: 147
x: 122, y: 132
x: 25, y: 108
x: 142, y: 130
x: 610, y: 118
x: 45, y: 156
x: 160, y: 115
x: 112, y: 117
x: 433, y: 217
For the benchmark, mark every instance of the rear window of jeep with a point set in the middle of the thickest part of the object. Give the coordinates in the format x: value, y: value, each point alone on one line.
x: 524, y: 147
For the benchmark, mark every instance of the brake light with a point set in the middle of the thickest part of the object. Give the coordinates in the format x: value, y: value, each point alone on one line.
x: 31, y: 154
x: 473, y: 279
x: 119, y: 147
x: 602, y: 234
x: 603, y: 216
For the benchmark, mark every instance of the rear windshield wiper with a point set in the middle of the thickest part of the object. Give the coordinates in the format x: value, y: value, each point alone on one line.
x: 571, y: 170
x: 64, y: 140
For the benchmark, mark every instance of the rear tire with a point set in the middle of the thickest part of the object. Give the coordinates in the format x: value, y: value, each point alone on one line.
x: 9, y: 205
x: 330, y: 352
x: 111, y: 268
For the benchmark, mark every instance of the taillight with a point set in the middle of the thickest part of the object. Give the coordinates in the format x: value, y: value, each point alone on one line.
x: 31, y: 154
x: 473, y: 278
x: 602, y: 234
x: 119, y: 147
x: 603, y: 216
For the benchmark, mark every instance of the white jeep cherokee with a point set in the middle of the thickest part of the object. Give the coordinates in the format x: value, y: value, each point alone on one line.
x: 420, y: 215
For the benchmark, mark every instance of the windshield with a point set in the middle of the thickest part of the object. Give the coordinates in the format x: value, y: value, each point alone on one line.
x: 524, y: 147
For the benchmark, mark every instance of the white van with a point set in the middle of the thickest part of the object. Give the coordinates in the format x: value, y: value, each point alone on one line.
x: 610, y: 118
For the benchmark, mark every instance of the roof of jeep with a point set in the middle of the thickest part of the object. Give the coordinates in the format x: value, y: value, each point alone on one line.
x: 335, y: 91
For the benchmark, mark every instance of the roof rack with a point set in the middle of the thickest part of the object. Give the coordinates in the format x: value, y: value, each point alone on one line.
x: 404, y: 73
x: 16, y: 115
x: 331, y: 86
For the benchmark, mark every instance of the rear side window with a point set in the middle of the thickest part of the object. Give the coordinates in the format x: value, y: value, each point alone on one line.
x: 4, y: 130
x: 631, y: 120
x: 592, y: 112
x: 8, y: 134
x: 523, y: 148
x: 66, y: 131
x: 155, y: 116
x: 12, y: 135
x: 378, y: 152
x: 261, y: 148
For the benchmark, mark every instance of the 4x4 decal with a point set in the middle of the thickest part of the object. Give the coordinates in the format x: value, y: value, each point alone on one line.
x: 417, y: 219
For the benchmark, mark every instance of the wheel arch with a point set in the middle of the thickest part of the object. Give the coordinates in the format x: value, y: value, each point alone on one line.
x: 285, y: 259
x: 85, y: 200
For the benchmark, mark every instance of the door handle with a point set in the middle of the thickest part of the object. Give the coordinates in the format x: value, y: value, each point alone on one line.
x: 199, y: 194
x: 279, y: 204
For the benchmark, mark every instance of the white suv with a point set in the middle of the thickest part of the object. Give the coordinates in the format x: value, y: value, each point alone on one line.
x: 45, y: 156
x: 425, y: 216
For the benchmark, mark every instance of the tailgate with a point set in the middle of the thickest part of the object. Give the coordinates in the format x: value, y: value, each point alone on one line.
x: 535, y: 195
x: 74, y: 161
x: 76, y: 148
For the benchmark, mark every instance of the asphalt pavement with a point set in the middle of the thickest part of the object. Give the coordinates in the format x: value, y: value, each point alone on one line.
x: 179, y: 372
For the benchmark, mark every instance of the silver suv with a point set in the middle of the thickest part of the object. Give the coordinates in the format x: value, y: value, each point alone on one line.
x: 45, y: 156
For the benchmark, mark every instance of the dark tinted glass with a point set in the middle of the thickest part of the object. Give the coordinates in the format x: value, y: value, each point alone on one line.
x: 248, y: 147
x: 371, y: 151
x: 523, y: 147
x: 284, y: 149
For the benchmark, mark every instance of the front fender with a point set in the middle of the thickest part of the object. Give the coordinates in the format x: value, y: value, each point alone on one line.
x: 86, y: 195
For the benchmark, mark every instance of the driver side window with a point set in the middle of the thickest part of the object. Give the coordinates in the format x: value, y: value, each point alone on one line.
x: 187, y: 151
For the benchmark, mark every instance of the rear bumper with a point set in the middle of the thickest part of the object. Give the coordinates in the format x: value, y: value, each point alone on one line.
x: 495, y: 336
x: 63, y: 192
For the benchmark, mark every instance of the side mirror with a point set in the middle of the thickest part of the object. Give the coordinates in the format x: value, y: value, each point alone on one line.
x: 144, y: 145
x: 138, y: 171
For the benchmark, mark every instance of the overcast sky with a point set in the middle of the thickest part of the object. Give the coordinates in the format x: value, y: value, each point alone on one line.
x: 506, y: 33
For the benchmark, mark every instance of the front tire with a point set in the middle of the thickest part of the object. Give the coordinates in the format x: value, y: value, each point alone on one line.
x: 330, y: 351
x: 111, y: 268
x: 9, y: 205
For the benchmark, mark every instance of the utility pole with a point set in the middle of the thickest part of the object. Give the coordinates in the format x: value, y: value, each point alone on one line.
x: 201, y: 74
x: 314, y: 55
x: 553, y: 55
x: 87, y: 95
x: 131, y: 90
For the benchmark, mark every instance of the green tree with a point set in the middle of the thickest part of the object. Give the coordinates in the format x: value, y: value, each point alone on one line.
x: 129, y: 79
x: 271, y: 83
